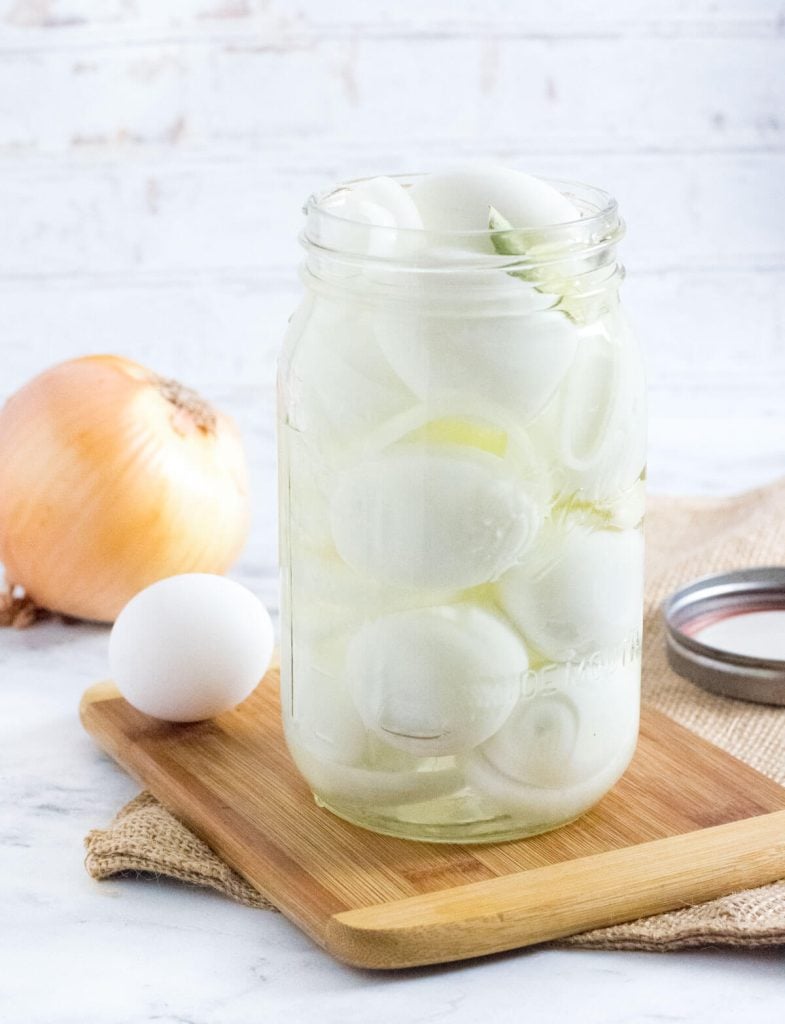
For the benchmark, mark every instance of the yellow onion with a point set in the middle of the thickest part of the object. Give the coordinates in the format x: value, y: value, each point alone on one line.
x: 111, y: 478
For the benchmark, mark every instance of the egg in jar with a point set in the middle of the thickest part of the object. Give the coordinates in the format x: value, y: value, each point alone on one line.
x: 430, y: 516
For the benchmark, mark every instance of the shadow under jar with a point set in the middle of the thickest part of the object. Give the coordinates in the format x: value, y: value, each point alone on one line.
x: 462, y: 450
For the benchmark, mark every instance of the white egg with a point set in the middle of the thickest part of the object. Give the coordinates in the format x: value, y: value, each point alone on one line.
x: 515, y: 361
x: 342, y: 385
x: 570, y: 723
x: 460, y: 200
x: 330, y: 742
x: 436, y: 681
x: 433, y: 516
x: 191, y: 646
x: 367, y: 787
x: 537, y: 740
x: 581, y: 590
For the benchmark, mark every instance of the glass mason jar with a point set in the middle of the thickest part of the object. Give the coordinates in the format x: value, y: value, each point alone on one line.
x: 462, y: 452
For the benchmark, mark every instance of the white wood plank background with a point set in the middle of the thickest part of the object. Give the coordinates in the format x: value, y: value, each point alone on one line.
x: 154, y: 155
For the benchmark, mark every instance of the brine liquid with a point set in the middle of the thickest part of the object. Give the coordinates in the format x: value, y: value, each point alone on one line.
x: 461, y: 550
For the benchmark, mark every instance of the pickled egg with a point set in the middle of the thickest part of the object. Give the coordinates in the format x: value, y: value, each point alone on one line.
x: 580, y: 591
x: 460, y: 199
x: 436, y: 681
x: 433, y: 516
x: 537, y: 741
x: 568, y: 731
x: 515, y: 361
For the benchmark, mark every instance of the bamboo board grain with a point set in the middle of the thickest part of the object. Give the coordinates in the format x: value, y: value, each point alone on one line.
x: 686, y: 824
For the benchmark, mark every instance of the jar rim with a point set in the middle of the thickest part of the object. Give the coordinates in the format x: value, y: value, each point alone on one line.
x: 600, y: 207
x: 352, y: 242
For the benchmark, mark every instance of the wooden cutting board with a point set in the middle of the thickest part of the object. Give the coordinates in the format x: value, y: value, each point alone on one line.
x: 686, y: 824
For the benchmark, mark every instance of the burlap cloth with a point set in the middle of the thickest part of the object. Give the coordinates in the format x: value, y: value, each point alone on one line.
x: 686, y: 538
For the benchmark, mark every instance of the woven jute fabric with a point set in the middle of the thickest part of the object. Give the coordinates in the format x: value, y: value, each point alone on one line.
x: 686, y: 538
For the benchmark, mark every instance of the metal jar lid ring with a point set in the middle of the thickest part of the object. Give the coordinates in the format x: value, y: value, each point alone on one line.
x: 709, y: 600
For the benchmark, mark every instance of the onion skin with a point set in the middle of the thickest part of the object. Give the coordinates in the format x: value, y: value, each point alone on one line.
x: 110, y: 479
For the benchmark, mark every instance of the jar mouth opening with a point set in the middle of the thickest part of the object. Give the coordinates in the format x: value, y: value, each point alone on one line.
x: 598, y: 227
x: 596, y: 203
